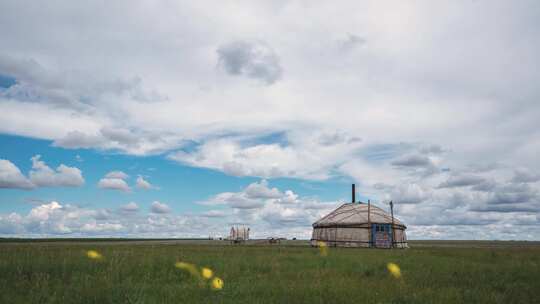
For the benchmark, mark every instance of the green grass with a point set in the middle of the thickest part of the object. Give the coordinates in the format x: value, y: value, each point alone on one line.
x: 144, y: 272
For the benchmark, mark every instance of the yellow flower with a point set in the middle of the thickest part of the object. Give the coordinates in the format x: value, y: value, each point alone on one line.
x: 182, y: 265
x: 323, y: 248
x: 207, y: 273
x: 188, y: 267
x: 394, y: 270
x: 92, y: 254
x: 217, y: 283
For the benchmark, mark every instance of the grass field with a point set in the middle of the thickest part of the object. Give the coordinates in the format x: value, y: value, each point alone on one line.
x: 145, y: 272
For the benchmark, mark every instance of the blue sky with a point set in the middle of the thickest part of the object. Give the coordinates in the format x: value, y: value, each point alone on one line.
x: 146, y: 120
x: 180, y: 187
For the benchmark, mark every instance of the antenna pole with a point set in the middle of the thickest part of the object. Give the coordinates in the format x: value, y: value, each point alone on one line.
x: 369, y: 222
x: 392, y: 213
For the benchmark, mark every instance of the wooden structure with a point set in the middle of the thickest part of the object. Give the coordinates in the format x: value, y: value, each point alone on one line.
x: 239, y: 234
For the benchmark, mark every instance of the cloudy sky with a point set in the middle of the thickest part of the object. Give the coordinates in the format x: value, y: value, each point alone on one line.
x: 169, y: 119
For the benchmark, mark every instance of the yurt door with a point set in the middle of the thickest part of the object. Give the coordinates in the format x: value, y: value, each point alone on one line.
x: 381, y: 235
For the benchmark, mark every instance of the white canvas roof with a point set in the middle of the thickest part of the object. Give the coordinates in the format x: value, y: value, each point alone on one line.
x: 356, y: 214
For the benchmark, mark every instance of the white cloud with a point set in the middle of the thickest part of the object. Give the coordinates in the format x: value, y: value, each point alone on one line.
x: 304, y: 154
x: 289, y: 198
x: 408, y: 193
x: 351, y: 42
x: 43, y: 212
x: 141, y: 183
x: 254, y: 59
x: 268, y: 208
x: 115, y: 180
x: 117, y: 174
x: 107, y: 138
x: 434, y: 76
x: 11, y: 176
x: 412, y: 161
x: 54, y: 218
x: 237, y: 200
x: 42, y: 175
x: 462, y: 181
x: 378, y: 92
x: 114, y: 184
x: 77, y: 140
x: 261, y: 190
x: 214, y: 213
x: 130, y: 207
x: 522, y: 175
x: 444, y: 213
x: 158, y: 207
x: 95, y: 228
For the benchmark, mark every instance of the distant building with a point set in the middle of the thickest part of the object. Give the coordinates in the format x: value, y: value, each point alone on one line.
x: 358, y: 224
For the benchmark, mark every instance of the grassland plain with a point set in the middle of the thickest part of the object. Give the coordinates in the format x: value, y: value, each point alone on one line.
x: 144, y: 272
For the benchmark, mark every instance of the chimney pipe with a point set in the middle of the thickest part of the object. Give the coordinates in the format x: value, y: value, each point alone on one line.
x: 353, y: 194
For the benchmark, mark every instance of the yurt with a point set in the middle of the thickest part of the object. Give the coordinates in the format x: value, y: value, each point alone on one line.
x: 358, y: 224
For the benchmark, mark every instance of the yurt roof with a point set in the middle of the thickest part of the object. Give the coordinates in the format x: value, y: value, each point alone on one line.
x: 354, y: 214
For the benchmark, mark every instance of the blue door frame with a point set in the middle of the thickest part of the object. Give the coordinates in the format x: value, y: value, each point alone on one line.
x: 381, y: 235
